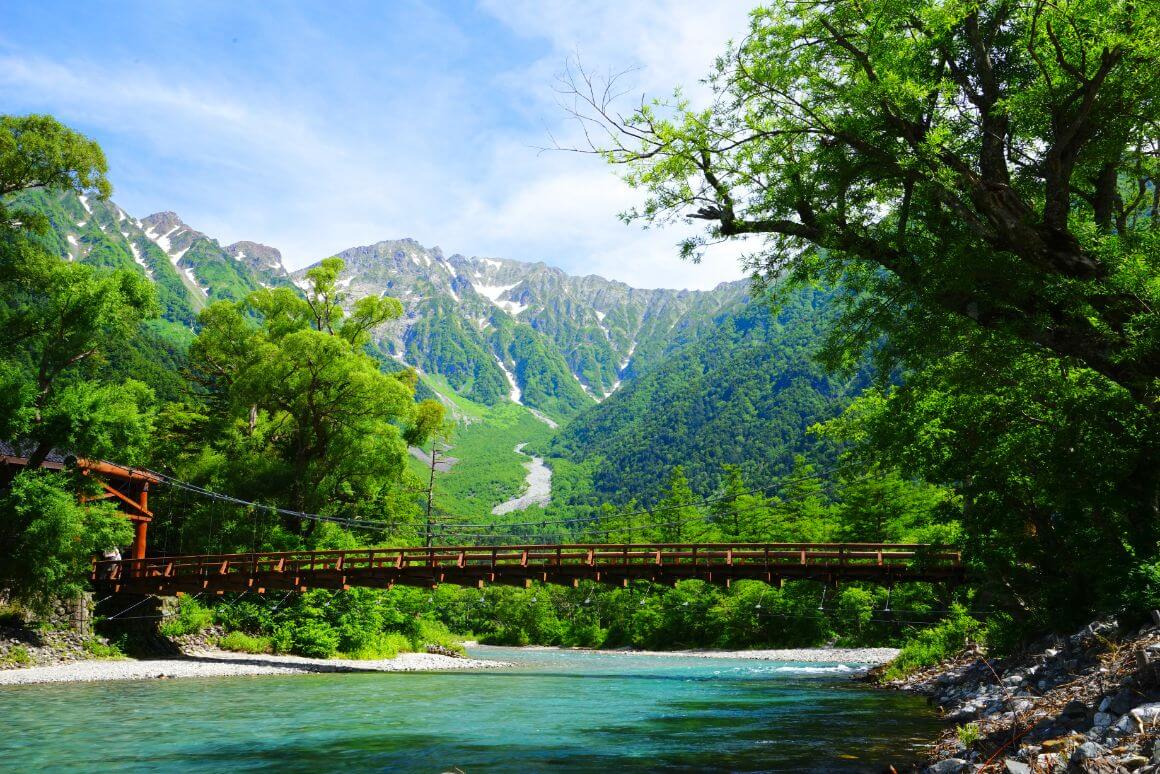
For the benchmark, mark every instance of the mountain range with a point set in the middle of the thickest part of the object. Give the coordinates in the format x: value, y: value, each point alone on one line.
x: 640, y: 379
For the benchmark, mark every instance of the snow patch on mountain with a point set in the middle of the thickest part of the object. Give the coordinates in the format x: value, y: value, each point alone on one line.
x: 628, y: 357
x: 493, y: 292
x: 139, y: 259
x: 514, y: 393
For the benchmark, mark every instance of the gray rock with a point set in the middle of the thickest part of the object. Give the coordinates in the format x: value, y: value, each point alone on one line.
x: 1087, y: 751
x: 1147, y: 713
x: 1126, y: 725
x: 1074, y: 710
x: 1021, y: 705
x: 1121, y: 702
x: 948, y: 766
x: 1016, y: 767
x: 1103, y: 719
x: 968, y: 711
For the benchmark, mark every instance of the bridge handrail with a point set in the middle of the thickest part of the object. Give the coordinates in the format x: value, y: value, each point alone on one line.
x: 505, y: 555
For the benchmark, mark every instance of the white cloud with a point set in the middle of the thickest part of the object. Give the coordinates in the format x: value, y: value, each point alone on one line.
x: 367, y: 153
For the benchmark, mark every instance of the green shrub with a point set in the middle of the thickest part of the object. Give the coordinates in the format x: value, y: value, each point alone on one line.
x: 190, y: 618
x: 282, y: 640
x: 244, y: 643
x: 586, y: 634
x: 1004, y: 634
x: 435, y: 633
x: 11, y: 615
x: 938, y: 643
x: 18, y: 655
x: 968, y: 735
x: 315, y: 639
x: 244, y: 616
x: 99, y: 649
x: 379, y: 646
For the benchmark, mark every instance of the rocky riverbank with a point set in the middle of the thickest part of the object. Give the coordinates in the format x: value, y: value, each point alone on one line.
x: 219, y: 663
x: 21, y: 647
x: 1089, y: 702
x: 30, y: 655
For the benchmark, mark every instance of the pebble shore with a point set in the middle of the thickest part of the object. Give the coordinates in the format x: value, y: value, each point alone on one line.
x: 872, y: 656
x: 227, y: 664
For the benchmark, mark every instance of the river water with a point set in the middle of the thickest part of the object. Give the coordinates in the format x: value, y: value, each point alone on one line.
x: 556, y: 711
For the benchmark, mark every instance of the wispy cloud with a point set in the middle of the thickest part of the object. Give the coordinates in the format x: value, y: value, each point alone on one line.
x: 316, y: 132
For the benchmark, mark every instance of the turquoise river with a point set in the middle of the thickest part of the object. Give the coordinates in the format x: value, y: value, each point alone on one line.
x: 555, y: 711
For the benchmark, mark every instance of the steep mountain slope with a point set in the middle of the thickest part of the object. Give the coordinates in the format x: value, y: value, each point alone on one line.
x: 649, y: 378
x: 525, y: 331
x: 189, y: 268
x: 744, y: 394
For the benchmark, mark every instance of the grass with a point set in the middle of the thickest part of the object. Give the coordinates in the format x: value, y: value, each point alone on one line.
x: 936, y: 644
x: 98, y: 649
x: 488, y: 471
x: 240, y: 642
x: 190, y: 618
x: 436, y: 633
x: 17, y: 655
x: 382, y: 646
x: 968, y: 735
x: 464, y: 406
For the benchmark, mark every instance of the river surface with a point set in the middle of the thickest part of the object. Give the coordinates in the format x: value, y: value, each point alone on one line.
x: 556, y: 711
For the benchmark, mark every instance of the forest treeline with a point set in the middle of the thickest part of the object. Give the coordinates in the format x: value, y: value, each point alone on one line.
x: 973, y: 185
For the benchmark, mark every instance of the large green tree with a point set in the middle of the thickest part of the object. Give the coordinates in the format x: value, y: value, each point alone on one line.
x: 61, y: 323
x: 981, y: 178
x: 295, y: 412
x: 991, y: 159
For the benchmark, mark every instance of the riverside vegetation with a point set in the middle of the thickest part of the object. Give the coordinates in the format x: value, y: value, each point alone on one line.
x: 961, y: 229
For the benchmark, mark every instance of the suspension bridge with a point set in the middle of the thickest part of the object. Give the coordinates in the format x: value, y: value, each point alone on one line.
x: 476, y: 565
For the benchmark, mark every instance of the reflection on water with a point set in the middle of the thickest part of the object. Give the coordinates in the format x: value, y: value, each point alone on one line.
x: 558, y: 710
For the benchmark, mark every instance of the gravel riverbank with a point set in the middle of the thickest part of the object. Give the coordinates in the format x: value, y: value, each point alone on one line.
x: 868, y: 656
x: 227, y: 664
x: 864, y: 656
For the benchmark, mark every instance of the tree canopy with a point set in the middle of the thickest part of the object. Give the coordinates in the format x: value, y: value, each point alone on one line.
x: 993, y: 160
x: 980, y: 180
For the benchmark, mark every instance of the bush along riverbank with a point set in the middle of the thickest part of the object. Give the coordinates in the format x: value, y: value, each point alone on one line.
x: 1088, y: 702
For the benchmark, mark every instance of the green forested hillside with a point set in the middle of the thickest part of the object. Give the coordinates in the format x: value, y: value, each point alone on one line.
x: 745, y: 394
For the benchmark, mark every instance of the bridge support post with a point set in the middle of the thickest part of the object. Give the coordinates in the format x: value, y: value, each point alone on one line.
x: 139, y: 538
x: 141, y: 525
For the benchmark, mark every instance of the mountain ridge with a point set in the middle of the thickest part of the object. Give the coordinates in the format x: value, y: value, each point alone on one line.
x: 495, y: 328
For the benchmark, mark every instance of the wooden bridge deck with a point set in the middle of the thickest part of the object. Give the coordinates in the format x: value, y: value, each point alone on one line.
x: 519, y: 565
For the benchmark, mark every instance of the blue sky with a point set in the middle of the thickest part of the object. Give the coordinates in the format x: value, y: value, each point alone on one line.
x: 314, y: 127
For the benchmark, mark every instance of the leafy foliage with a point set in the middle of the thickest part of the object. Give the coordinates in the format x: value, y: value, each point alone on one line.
x: 50, y: 538
x: 743, y: 395
x: 981, y: 181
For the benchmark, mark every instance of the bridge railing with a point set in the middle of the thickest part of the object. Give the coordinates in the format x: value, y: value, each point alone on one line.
x: 602, y: 555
